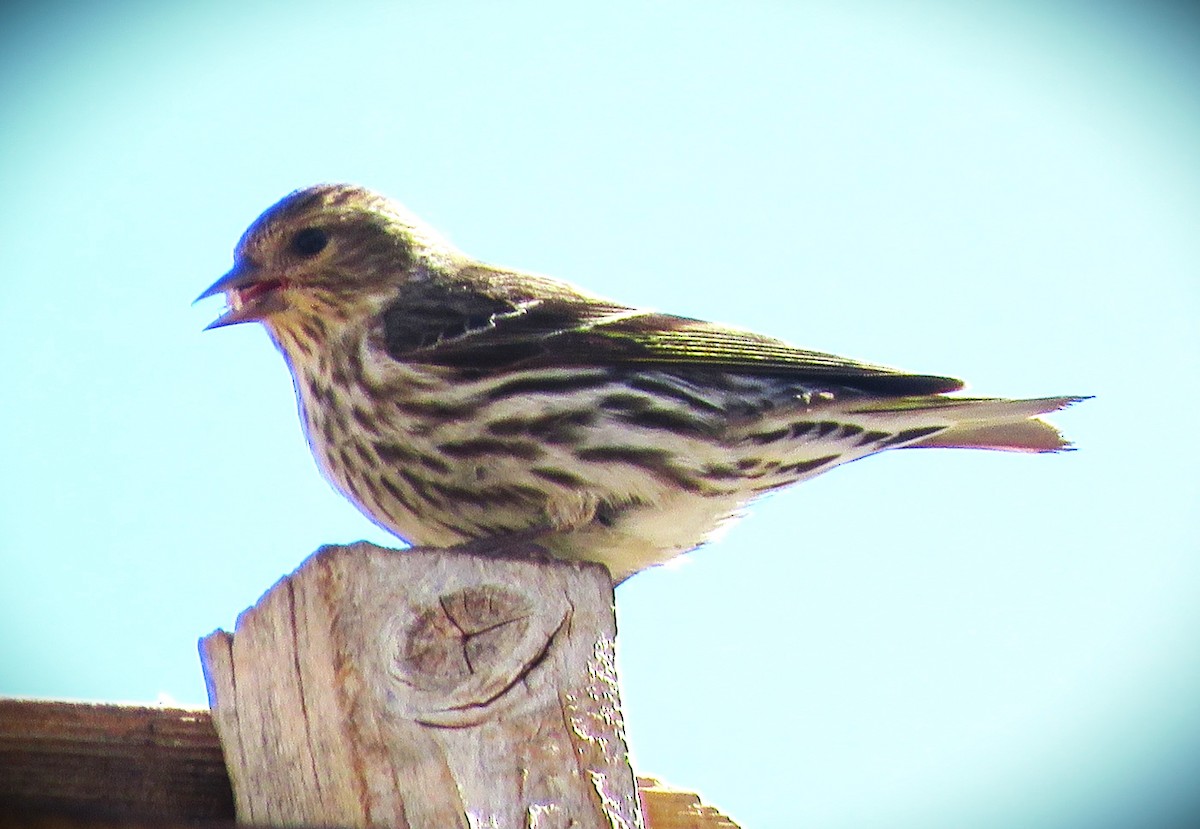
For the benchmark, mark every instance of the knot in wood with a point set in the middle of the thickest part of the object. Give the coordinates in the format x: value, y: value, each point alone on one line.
x: 465, y: 635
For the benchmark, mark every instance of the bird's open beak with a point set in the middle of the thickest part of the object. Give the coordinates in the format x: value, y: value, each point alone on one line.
x: 250, y: 295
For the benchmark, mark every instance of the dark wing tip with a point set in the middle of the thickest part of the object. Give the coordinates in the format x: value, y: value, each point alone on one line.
x: 904, y: 384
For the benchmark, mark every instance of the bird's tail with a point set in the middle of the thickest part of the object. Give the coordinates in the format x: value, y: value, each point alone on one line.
x: 977, y: 423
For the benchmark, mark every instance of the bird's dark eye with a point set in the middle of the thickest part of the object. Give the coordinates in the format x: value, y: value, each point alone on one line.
x: 310, y: 241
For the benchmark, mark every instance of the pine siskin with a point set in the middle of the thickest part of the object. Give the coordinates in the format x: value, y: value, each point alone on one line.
x: 452, y: 401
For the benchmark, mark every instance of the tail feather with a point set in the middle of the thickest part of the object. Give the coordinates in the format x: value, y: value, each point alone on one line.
x: 1032, y: 435
x: 980, y: 423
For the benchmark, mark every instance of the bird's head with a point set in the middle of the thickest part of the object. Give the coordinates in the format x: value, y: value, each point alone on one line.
x: 330, y: 252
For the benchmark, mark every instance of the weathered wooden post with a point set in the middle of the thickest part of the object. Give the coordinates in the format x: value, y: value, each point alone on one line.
x: 426, y: 689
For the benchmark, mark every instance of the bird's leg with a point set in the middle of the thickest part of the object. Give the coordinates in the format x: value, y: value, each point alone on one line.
x: 519, y: 545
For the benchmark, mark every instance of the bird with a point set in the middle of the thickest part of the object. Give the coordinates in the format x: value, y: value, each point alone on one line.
x: 453, y: 402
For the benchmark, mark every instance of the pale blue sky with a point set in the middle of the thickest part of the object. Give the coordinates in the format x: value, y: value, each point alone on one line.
x: 1009, y: 194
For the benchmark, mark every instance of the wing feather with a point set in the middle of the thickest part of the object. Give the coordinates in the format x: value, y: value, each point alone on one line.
x: 530, y: 322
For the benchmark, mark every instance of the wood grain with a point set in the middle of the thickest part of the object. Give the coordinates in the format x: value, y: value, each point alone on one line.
x: 427, y: 689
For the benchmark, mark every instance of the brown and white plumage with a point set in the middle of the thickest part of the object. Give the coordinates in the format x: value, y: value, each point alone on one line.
x: 452, y: 401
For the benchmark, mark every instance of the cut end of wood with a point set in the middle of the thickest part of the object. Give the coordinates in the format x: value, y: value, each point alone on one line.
x: 425, y: 688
